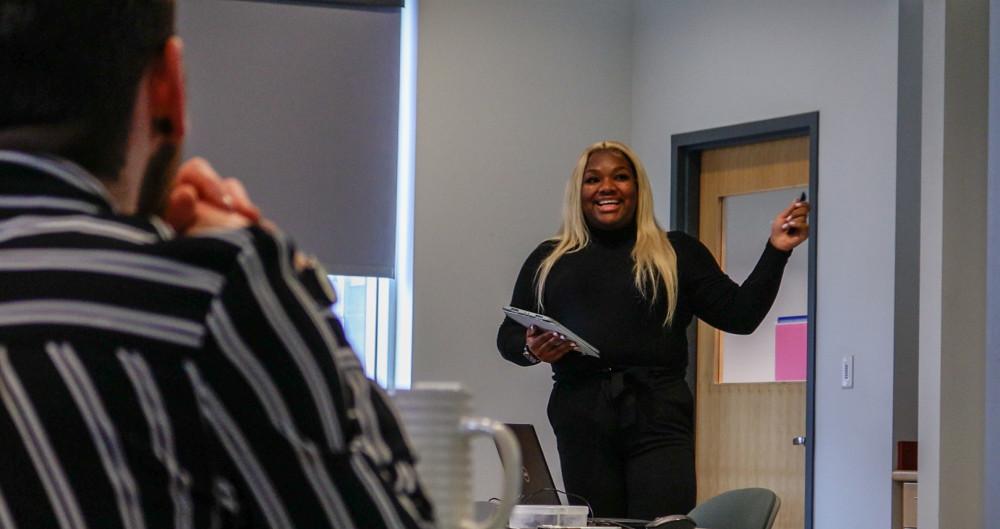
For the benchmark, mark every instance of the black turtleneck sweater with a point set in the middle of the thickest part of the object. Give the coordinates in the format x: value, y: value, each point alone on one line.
x: 592, y: 292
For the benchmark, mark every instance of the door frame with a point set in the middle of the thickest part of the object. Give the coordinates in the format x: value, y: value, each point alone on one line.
x: 685, y: 183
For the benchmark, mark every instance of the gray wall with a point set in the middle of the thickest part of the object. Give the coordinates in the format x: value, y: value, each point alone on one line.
x: 907, y: 313
x: 953, y: 264
x: 991, y: 470
x: 508, y: 95
x: 708, y: 64
x: 509, y: 92
x: 905, y: 394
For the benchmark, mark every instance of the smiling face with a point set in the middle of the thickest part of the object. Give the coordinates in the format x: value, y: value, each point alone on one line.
x: 608, y: 192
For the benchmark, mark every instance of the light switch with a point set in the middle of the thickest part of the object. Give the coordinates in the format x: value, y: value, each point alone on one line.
x: 847, y: 372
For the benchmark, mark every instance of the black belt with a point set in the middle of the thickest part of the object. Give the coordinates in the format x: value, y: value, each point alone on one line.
x: 631, y: 390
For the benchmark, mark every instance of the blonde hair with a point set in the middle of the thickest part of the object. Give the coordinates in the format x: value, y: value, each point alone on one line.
x: 654, y: 259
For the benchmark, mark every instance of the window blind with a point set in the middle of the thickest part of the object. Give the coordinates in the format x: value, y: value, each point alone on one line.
x: 301, y: 103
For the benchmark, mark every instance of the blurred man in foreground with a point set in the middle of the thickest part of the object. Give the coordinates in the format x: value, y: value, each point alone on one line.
x: 183, y: 372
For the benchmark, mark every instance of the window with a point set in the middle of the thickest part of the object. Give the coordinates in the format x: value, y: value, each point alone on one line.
x: 366, y: 308
x: 377, y: 312
x: 307, y: 176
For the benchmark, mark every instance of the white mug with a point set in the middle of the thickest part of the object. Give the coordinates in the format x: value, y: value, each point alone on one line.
x: 436, y: 422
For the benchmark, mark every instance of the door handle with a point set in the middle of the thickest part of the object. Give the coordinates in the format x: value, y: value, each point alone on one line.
x: 799, y: 441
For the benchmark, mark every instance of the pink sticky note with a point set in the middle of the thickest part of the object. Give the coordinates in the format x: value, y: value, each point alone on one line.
x: 790, y: 348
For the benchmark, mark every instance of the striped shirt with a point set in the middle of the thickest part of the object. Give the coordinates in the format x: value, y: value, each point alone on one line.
x: 148, y: 380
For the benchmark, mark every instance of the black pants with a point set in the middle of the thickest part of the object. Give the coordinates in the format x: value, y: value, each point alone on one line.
x: 626, y: 442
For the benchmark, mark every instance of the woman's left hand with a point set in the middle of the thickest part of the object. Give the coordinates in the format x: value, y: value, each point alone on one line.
x: 791, y: 227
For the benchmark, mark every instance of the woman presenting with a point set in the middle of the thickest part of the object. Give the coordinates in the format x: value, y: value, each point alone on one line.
x: 624, y: 422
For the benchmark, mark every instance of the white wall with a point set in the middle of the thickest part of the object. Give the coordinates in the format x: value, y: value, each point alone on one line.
x: 707, y: 64
x: 508, y: 95
x: 751, y: 357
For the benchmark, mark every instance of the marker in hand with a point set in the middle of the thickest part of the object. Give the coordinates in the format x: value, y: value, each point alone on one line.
x: 802, y: 198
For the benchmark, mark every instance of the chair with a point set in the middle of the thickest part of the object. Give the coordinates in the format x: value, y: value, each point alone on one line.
x: 753, y: 508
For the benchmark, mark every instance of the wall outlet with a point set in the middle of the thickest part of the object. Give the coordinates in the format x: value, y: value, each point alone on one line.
x: 847, y: 372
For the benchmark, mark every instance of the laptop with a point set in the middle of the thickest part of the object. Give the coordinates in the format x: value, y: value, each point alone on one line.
x: 537, y: 487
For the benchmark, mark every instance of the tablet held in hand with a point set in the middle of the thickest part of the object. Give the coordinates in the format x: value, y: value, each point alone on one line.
x: 528, y: 318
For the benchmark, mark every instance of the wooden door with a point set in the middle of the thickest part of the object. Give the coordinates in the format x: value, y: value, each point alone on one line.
x: 744, y: 431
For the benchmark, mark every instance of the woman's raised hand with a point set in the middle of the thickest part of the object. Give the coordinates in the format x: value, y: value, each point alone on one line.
x: 791, y: 227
